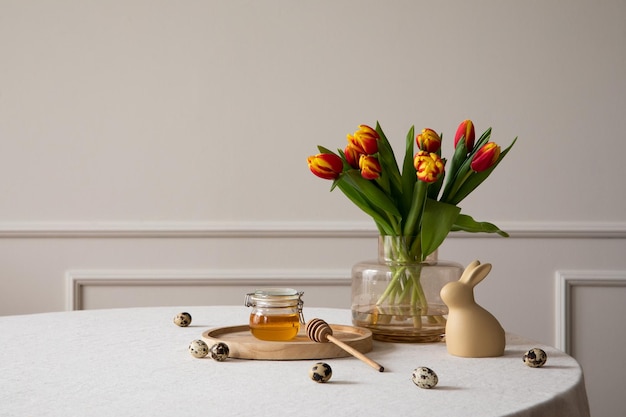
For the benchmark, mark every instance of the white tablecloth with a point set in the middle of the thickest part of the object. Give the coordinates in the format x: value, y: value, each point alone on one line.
x: 134, y: 362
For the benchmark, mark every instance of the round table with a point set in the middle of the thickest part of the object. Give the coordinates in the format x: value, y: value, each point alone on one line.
x: 135, y: 362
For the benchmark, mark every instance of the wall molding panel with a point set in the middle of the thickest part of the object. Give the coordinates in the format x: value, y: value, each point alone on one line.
x: 566, y: 282
x: 286, y: 229
x: 77, y: 281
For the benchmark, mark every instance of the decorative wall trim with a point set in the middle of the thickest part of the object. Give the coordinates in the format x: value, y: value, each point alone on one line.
x: 577, y: 230
x: 565, y: 282
x: 77, y: 280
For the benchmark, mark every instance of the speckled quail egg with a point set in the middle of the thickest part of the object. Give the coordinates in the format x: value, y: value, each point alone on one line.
x: 320, y: 372
x: 219, y: 351
x: 198, y: 348
x: 535, y: 358
x: 424, y: 377
x: 182, y: 319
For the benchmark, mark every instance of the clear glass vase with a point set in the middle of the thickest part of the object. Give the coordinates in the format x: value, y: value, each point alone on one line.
x: 397, y: 296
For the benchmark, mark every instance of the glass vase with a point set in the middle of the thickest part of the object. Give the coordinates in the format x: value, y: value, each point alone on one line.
x: 397, y: 296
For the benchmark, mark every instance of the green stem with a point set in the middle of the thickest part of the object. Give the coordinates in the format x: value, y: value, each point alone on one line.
x: 392, y: 286
x: 417, y: 208
x: 404, y: 287
x: 420, y: 297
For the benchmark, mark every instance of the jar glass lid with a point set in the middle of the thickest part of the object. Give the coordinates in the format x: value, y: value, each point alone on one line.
x: 276, y: 292
x: 274, y: 296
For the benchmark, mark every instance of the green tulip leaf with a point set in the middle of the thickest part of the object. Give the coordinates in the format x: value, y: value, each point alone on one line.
x: 409, y: 174
x: 484, y: 138
x: 371, y: 191
x: 437, y: 221
x: 452, y: 171
x: 363, y: 203
x: 466, y: 223
x: 388, y: 164
x: 325, y: 150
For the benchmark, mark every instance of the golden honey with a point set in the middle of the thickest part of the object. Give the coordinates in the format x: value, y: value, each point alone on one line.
x: 276, y: 313
x: 277, y: 328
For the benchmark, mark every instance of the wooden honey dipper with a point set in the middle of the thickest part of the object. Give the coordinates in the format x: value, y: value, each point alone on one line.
x: 319, y: 331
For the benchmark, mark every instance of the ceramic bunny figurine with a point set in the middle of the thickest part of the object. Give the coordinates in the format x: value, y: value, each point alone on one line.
x: 471, y: 331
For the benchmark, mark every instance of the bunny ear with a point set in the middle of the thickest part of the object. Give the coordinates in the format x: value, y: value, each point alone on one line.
x: 466, y: 274
x: 478, y: 274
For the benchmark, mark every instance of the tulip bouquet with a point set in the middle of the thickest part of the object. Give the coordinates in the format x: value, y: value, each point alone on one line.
x: 417, y: 200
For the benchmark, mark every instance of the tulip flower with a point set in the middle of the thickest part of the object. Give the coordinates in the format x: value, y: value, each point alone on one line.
x: 370, y: 167
x: 466, y: 130
x: 485, y: 157
x: 325, y: 165
x: 429, y: 166
x: 428, y: 141
x: 353, y: 155
x: 365, y: 140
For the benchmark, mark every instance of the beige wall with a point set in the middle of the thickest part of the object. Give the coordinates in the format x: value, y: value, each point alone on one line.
x: 154, y: 152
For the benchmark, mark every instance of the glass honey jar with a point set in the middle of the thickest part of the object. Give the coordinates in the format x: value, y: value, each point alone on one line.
x: 276, y: 313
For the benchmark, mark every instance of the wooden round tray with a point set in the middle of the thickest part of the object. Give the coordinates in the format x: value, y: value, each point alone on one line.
x: 243, y: 345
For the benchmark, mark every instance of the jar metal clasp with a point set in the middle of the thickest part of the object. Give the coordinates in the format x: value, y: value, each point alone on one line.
x: 300, y: 306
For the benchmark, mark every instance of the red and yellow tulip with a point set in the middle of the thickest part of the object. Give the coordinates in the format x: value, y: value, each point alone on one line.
x: 428, y: 141
x: 370, y: 167
x: 325, y: 165
x: 485, y: 157
x: 466, y: 130
x: 429, y: 166
x: 353, y: 155
x: 365, y: 139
